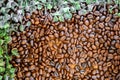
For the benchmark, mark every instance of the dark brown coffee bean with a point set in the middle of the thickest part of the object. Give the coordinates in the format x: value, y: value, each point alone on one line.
x: 118, y: 51
x: 101, y: 40
x: 107, y: 19
x: 96, y: 13
x: 86, y: 22
x: 63, y: 38
x: 32, y: 67
x: 117, y: 45
x: 32, y: 21
x: 23, y: 41
x: 102, y: 18
x: 101, y: 25
x: 28, y: 74
x: 19, y: 74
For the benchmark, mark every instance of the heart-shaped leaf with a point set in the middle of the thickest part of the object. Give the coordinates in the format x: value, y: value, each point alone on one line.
x: 49, y: 6
x: 1, y: 42
x: 39, y: 6
x: 2, y: 63
x: 66, y: 9
x: 1, y: 77
x: 7, y: 39
x: 55, y: 18
x: 77, y: 5
x: 14, y: 51
x: 12, y: 70
x: 1, y: 51
x: 21, y: 28
x: 72, y: 9
x: 61, y: 18
x: 44, y: 1
x: 6, y: 25
x: 68, y: 15
x: 2, y: 69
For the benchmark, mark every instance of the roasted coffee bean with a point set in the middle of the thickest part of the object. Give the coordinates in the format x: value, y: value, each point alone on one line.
x: 27, y: 74
x: 32, y: 67
x: 23, y: 41
x: 107, y: 19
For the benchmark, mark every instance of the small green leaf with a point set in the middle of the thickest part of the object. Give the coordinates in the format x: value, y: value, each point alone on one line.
x: 72, y: 9
x: 68, y: 15
x: 55, y: 18
x: 39, y: 6
x: 88, y: 1
x: 44, y: 1
x: 6, y: 26
x: 57, y: 13
x: 2, y: 69
x: 1, y: 51
x: 2, y: 33
x: 21, y: 28
x: 12, y: 70
x: 9, y: 66
x: 6, y: 77
x: 12, y: 75
x: 1, y: 42
x: 110, y: 10
x: 3, y: 10
x: 118, y: 14
x: 2, y: 63
x: 7, y: 39
x: 1, y: 77
x: 28, y: 23
x: 61, y: 18
x: 14, y: 51
x: 66, y: 9
x: 49, y: 6
x: 77, y: 6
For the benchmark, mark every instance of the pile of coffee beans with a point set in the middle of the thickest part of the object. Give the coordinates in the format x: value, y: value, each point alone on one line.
x: 87, y: 47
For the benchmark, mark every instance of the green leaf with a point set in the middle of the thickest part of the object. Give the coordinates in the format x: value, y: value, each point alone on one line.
x: 9, y: 66
x: 44, y: 1
x: 28, y: 23
x: 2, y: 63
x: 49, y: 6
x: 55, y: 18
x: 1, y: 42
x: 56, y: 13
x: 12, y: 75
x: 12, y: 70
x: 6, y: 77
x: 88, y: 1
x: 39, y: 6
x: 2, y: 33
x: 1, y: 51
x: 77, y: 6
x: 1, y: 77
x: 72, y: 9
x: 2, y: 69
x: 14, y: 51
x: 118, y: 14
x: 61, y: 18
x: 68, y: 15
x: 3, y: 10
x: 66, y: 9
x: 110, y: 10
x: 21, y: 28
x: 7, y: 39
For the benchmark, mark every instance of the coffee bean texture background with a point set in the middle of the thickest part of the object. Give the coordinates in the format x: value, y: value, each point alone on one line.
x: 87, y: 47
